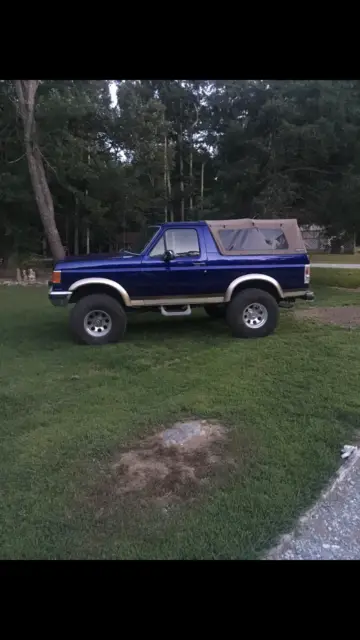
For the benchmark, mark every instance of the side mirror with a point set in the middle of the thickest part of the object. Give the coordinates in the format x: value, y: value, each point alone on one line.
x: 168, y: 255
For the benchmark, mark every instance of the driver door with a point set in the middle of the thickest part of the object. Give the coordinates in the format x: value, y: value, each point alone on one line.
x: 182, y: 276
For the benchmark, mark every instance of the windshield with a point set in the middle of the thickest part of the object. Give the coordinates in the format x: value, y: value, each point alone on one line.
x: 143, y: 240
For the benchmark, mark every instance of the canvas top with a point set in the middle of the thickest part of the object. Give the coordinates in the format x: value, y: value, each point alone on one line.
x: 246, y: 235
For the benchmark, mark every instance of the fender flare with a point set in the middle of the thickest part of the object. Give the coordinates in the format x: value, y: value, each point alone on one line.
x: 248, y: 278
x: 106, y: 282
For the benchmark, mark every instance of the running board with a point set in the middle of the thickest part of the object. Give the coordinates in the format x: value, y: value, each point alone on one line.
x: 186, y: 312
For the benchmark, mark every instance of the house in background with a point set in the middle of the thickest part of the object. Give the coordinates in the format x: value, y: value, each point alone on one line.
x: 316, y: 240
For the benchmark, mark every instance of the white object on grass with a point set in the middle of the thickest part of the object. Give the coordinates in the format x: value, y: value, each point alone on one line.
x: 347, y: 450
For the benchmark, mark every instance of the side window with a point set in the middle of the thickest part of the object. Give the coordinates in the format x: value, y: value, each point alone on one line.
x: 275, y: 238
x: 183, y: 242
x: 159, y: 249
x: 253, y: 239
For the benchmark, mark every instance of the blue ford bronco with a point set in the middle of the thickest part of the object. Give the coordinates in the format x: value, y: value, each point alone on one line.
x: 242, y: 270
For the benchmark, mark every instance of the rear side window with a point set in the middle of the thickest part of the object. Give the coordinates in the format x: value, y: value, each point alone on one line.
x: 253, y: 239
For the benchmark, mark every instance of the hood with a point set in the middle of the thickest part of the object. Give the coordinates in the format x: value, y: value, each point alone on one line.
x: 96, y: 259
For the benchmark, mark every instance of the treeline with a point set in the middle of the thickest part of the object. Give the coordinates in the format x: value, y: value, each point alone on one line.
x: 175, y: 150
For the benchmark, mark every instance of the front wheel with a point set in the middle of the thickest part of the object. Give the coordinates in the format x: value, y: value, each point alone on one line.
x: 252, y: 313
x: 98, y: 319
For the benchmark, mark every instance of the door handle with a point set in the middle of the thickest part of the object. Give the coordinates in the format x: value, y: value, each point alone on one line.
x: 201, y: 264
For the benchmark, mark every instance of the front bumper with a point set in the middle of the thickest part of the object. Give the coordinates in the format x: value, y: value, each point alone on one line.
x: 59, y: 298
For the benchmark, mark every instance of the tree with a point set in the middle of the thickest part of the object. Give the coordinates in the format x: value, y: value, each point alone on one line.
x: 287, y: 147
x: 172, y: 150
x: 26, y: 94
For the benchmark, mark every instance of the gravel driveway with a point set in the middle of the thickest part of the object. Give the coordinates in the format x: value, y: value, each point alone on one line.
x: 331, y: 265
x: 347, y: 317
x: 331, y: 529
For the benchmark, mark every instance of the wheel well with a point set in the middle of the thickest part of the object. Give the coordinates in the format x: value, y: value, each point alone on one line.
x: 90, y: 289
x: 257, y: 284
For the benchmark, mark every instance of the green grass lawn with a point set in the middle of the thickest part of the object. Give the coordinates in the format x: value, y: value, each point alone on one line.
x: 290, y: 402
x: 335, y: 258
x: 322, y: 277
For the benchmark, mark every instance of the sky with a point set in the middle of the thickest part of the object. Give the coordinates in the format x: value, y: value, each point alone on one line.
x: 113, y: 93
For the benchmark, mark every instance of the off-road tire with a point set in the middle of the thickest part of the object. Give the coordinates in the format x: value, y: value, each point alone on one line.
x: 215, y: 310
x: 237, y: 306
x: 101, y: 302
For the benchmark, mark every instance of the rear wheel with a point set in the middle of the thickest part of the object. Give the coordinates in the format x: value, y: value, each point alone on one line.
x: 98, y: 319
x: 215, y: 310
x: 252, y: 313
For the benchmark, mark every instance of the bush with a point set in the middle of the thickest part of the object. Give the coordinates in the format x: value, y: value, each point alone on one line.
x: 347, y: 278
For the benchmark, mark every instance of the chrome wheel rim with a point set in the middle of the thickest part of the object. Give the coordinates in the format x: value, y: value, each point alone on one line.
x: 97, y: 323
x: 255, y: 315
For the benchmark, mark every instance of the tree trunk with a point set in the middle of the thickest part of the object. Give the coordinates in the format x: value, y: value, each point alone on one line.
x: 202, y: 186
x: 67, y: 237
x: 191, y: 201
x: 169, y: 192
x: 76, y: 228
x: 86, y: 199
x: 181, y: 164
x: 87, y: 239
x: 76, y: 237
x: 26, y: 91
x: 165, y: 179
x: 191, y: 181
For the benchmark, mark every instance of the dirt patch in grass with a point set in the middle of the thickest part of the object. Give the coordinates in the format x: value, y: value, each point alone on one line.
x: 347, y: 317
x: 166, y: 468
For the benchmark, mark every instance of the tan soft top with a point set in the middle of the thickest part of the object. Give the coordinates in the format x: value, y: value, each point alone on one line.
x: 253, y: 240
